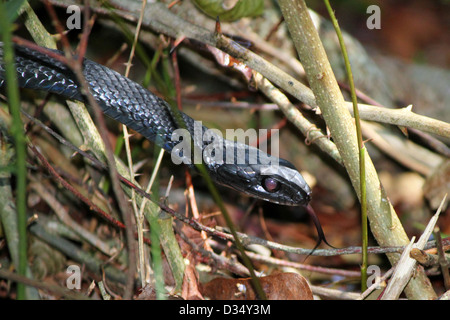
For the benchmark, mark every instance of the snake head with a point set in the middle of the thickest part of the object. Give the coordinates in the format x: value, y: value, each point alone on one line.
x: 281, y: 183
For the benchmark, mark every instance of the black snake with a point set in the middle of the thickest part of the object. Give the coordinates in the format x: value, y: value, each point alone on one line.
x: 250, y: 170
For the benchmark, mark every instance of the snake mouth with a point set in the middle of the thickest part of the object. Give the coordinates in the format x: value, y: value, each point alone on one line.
x: 303, y: 198
x: 298, y: 196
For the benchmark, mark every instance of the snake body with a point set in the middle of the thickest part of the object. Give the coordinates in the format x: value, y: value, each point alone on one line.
x: 134, y: 106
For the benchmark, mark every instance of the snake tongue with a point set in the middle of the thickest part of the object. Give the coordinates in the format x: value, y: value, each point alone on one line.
x: 319, y: 229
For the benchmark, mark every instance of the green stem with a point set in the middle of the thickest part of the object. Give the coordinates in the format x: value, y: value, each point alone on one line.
x: 364, y: 223
x: 155, y: 236
x: 362, y: 170
x: 20, y: 145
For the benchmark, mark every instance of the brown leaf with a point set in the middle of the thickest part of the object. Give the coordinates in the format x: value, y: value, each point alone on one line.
x: 190, y: 288
x: 281, y: 286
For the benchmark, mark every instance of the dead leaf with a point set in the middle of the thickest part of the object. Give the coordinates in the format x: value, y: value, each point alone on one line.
x: 281, y: 286
x: 190, y: 289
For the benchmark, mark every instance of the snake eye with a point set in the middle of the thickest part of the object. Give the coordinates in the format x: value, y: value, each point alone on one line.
x: 271, y: 185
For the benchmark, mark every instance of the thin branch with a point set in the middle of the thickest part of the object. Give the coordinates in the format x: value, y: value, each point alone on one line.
x: 333, y: 293
x: 301, y: 266
x: 444, y: 264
